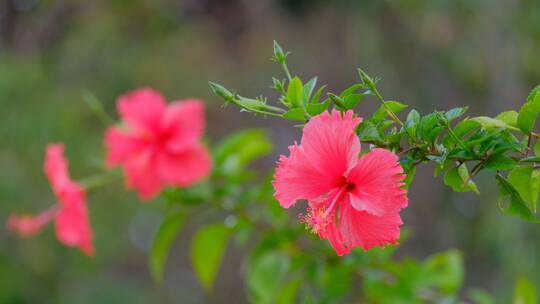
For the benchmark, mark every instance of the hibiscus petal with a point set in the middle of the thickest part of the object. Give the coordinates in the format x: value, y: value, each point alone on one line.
x: 184, y: 121
x: 121, y: 146
x: 141, y: 175
x: 56, y: 167
x: 361, y: 229
x: 185, y: 168
x: 30, y: 225
x: 142, y: 109
x: 330, y: 142
x: 73, y: 225
x: 378, y: 180
x: 296, y: 179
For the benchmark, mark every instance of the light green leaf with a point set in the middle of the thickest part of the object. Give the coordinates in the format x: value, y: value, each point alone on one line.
x: 297, y: 114
x: 516, y: 205
x: 458, y: 179
x: 351, y: 101
x: 489, y: 123
x: 537, y: 148
x: 529, y: 111
x: 446, y: 271
x: 315, y: 109
x: 288, y: 293
x: 525, y: 292
x: 479, y: 296
x: 238, y: 150
x: 317, y: 96
x: 509, y: 117
x: 162, y: 242
x: 382, y: 112
x: 307, y: 90
x: 526, y: 181
x: 294, y: 92
x: 266, y: 276
x: 455, y: 113
x: 207, y: 250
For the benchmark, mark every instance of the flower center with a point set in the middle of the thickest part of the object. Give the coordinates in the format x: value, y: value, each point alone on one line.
x: 317, y: 219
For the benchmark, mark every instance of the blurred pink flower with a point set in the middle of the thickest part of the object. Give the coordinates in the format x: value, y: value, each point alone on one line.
x: 353, y: 201
x: 157, y: 144
x: 72, y: 223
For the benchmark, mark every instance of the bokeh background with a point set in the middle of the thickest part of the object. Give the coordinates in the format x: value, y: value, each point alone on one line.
x: 431, y: 54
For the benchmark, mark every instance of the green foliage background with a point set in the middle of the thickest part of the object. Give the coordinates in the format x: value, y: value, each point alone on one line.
x: 431, y: 55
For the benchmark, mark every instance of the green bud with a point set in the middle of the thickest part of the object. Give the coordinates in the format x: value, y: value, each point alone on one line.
x: 366, y: 79
x: 221, y: 91
x: 279, y: 55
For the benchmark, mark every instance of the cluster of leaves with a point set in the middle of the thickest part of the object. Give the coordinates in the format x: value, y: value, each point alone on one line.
x: 284, y: 263
x: 460, y: 146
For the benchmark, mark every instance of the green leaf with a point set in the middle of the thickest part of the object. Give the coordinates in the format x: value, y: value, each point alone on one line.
x: 207, y: 250
x: 455, y: 113
x: 413, y: 118
x: 307, y: 90
x: 429, y: 127
x: 162, y: 242
x: 367, y: 131
x: 294, y: 92
x: 446, y: 271
x: 351, y: 90
x: 288, y: 293
x: 525, y: 292
x: 266, y: 276
x: 509, y: 117
x: 236, y: 151
x: 529, y: 111
x: 526, y: 181
x: 351, y: 101
x: 517, y: 205
x: 317, y: 96
x: 382, y: 112
x: 531, y: 159
x: 479, y: 296
x: 500, y: 162
x: 315, y: 109
x: 458, y: 179
x: 298, y: 114
x: 489, y: 123
x: 537, y: 148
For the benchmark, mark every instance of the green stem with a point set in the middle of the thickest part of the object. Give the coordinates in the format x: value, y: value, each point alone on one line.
x: 99, y: 180
x: 381, y: 99
x: 286, y: 69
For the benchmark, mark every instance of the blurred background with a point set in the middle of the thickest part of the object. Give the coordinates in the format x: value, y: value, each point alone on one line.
x: 432, y: 54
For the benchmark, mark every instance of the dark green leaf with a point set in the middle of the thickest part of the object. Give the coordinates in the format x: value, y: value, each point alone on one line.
x: 207, y: 250
x: 500, y: 162
x: 352, y: 100
x: 367, y: 131
x: 162, y: 242
x: 446, y: 271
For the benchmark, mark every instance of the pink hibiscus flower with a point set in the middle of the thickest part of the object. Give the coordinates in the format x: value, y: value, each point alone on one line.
x: 353, y: 201
x: 157, y: 144
x: 71, y: 215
